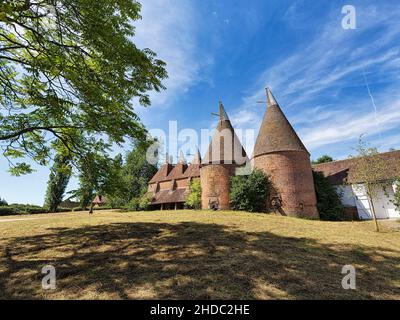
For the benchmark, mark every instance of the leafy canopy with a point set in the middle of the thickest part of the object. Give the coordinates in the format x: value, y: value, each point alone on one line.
x: 323, y: 159
x: 60, y: 173
x: 70, y: 73
x: 369, y: 171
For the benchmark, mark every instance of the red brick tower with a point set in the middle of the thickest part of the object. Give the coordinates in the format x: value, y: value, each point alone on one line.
x: 224, y: 155
x: 280, y: 153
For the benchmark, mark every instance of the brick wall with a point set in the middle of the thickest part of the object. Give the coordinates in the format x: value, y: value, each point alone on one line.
x: 291, y: 174
x: 215, y: 184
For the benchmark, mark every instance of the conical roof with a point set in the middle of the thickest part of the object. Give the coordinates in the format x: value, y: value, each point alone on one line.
x: 225, y: 146
x: 276, y: 133
x: 197, y: 157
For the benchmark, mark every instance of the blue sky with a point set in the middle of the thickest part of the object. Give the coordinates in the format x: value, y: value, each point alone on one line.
x: 333, y: 84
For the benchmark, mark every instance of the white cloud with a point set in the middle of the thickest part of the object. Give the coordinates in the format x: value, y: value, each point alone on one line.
x: 335, y: 60
x: 168, y: 28
x: 351, y: 125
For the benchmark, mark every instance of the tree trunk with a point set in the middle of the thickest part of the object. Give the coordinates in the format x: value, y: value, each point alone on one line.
x: 91, y: 208
x: 371, y: 201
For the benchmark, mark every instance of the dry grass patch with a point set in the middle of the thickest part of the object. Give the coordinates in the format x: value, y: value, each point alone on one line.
x: 196, y: 255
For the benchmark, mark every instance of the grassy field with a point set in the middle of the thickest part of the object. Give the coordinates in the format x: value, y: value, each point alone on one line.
x: 196, y: 255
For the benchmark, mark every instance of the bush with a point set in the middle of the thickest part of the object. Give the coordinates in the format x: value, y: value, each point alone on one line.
x: 328, y: 200
x: 133, y: 205
x: 396, y: 200
x: 249, y: 193
x: 21, y: 209
x: 7, y: 211
x: 144, y: 202
x: 64, y: 209
x: 193, y: 200
x: 115, y: 202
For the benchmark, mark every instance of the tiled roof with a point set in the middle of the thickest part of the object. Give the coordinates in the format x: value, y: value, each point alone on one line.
x: 163, y: 173
x: 193, y: 171
x: 177, y: 172
x: 168, y: 196
x: 340, y: 172
x: 276, y: 133
x: 99, y: 199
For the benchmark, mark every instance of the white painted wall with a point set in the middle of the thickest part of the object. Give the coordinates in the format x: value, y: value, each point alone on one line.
x: 384, y: 207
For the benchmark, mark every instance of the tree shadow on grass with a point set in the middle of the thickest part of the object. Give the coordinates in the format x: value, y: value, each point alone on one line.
x: 191, y: 261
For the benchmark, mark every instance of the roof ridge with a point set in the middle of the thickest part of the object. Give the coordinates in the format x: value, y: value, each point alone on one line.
x: 349, y: 159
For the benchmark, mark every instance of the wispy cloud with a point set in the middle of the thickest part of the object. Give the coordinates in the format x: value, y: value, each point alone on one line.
x: 169, y: 28
x: 350, y: 126
x: 325, y: 72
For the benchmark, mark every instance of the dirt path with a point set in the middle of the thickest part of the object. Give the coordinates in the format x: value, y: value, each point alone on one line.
x: 23, y: 219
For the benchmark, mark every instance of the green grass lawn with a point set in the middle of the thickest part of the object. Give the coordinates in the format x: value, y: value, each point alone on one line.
x: 196, y: 255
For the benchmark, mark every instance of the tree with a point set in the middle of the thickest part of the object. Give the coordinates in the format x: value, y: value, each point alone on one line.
x: 60, y: 174
x: 368, y: 171
x: 328, y: 200
x: 69, y: 69
x: 323, y: 159
x: 193, y: 199
x: 137, y: 172
x: 97, y: 177
x: 3, y: 202
x: 249, y: 192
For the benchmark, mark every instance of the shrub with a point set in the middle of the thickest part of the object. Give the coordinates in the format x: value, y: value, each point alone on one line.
x: 64, y: 209
x: 133, y: 205
x: 115, y: 202
x: 7, y: 211
x: 396, y: 199
x: 144, y: 202
x: 21, y: 209
x: 193, y: 200
x: 328, y: 200
x: 249, y: 193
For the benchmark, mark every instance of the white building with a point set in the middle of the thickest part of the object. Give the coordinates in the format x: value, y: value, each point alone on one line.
x: 352, y: 192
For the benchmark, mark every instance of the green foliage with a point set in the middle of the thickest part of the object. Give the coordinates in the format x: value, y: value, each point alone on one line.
x: 328, y: 200
x: 193, y: 200
x: 8, y: 211
x: 14, y: 209
x: 137, y: 172
x: 249, y: 193
x: 396, y: 199
x: 3, y: 202
x: 323, y: 159
x: 144, y: 202
x: 133, y: 205
x: 119, y: 181
x: 71, y: 75
x: 60, y: 174
x: 138, y: 204
x: 369, y: 170
x: 99, y: 174
x: 115, y: 203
